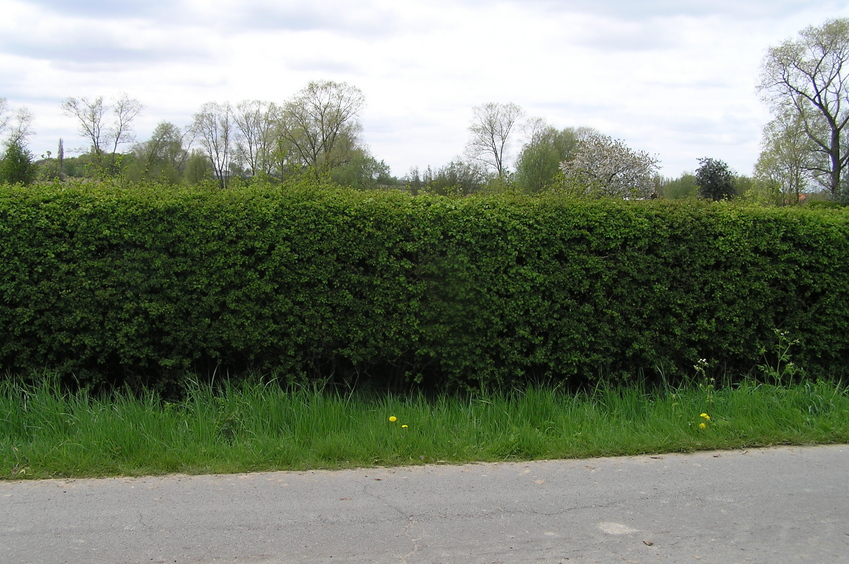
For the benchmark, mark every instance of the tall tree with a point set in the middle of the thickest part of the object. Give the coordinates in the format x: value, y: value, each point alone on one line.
x: 215, y: 129
x: 22, y: 127
x: 809, y: 76
x: 789, y: 159
x: 714, y: 179
x: 491, y: 129
x: 608, y: 167
x: 60, y: 158
x: 321, y: 124
x: 257, y: 123
x: 105, y: 133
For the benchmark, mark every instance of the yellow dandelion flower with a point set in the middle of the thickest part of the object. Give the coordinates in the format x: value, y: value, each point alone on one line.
x: 403, y: 426
x: 392, y: 419
x: 702, y: 426
x: 705, y: 416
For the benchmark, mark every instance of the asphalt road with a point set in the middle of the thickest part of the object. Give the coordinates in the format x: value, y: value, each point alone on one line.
x: 778, y: 505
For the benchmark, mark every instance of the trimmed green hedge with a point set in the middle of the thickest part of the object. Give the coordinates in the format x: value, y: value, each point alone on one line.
x: 146, y: 284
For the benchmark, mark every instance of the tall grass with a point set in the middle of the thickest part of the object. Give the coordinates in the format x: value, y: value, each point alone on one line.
x: 45, y: 432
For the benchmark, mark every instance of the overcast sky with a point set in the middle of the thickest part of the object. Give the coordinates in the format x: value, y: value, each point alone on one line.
x: 674, y: 78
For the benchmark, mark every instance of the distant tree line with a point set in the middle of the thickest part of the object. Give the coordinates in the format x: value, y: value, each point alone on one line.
x: 317, y: 132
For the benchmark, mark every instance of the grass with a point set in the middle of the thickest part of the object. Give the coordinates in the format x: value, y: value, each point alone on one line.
x: 254, y: 427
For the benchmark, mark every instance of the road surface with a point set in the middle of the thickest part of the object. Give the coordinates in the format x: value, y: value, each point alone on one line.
x: 777, y: 505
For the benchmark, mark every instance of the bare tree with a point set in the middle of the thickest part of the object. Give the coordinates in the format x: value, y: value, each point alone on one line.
x: 811, y: 76
x: 89, y: 116
x: 491, y: 128
x: 124, y: 111
x: 104, y: 134
x: 21, y: 123
x: 320, y: 123
x: 215, y: 129
x: 4, y: 119
x: 257, y: 123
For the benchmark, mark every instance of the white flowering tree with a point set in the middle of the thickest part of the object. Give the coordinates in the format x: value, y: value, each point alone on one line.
x: 608, y: 167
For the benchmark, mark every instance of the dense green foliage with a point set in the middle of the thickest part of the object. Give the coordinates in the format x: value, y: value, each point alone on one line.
x: 16, y: 166
x: 714, y: 179
x: 141, y: 285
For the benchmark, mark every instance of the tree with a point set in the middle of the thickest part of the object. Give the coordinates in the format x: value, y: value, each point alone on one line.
x: 457, y: 178
x: 23, y: 118
x: 538, y: 165
x: 362, y: 172
x: 714, y: 179
x: 22, y: 127
x: 787, y: 162
x: 104, y: 134
x: 320, y: 124
x: 60, y: 159
x: 17, y: 166
x: 608, y: 167
x: 257, y: 123
x: 679, y: 188
x: 491, y: 130
x: 4, y: 108
x: 164, y: 155
x: 808, y: 76
x: 215, y: 129
x: 198, y: 168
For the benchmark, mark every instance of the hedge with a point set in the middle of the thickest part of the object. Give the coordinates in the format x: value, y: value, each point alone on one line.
x: 112, y: 285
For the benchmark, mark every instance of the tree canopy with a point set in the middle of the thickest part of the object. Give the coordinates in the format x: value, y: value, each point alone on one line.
x: 808, y: 77
x: 714, y: 179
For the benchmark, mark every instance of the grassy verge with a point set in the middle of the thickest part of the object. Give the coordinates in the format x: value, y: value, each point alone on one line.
x: 44, y: 433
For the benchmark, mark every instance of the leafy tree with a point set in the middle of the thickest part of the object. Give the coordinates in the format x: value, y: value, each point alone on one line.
x: 17, y: 166
x: 215, y: 130
x: 321, y: 126
x: 683, y: 187
x: 457, y: 178
x: 198, y: 168
x: 760, y: 191
x: 714, y: 179
x: 538, y: 165
x: 809, y: 77
x: 787, y: 161
x: 491, y: 131
x: 104, y: 134
x: 163, y: 157
x: 608, y: 167
x: 362, y: 172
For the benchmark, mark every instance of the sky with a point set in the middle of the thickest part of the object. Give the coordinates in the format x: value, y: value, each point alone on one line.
x: 674, y: 78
